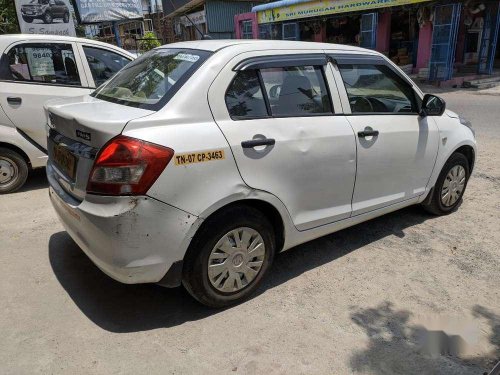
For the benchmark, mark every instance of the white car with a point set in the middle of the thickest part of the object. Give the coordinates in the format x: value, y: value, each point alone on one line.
x: 240, y: 150
x: 34, y: 69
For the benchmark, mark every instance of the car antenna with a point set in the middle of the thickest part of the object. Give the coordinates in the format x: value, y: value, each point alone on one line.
x: 203, y: 36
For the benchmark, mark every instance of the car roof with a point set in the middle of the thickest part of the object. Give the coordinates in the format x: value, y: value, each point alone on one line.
x: 216, y: 45
x: 8, y: 39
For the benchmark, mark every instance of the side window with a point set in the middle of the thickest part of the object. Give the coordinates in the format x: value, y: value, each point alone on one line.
x: 377, y: 89
x: 244, y: 99
x: 103, y: 64
x: 296, y: 91
x: 48, y: 63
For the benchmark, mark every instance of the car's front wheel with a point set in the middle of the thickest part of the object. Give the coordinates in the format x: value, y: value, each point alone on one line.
x: 13, y: 171
x: 47, y: 18
x: 229, y: 256
x: 28, y: 19
x: 450, y: 186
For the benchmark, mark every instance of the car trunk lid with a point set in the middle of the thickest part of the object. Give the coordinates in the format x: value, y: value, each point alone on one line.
x: 77, y: 130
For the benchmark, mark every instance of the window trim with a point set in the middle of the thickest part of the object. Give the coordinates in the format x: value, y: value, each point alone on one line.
x: 281, y: 61
x: 264, y: 91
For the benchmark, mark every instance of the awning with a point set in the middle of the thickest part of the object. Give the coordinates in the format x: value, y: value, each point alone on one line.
x: 285, y: 10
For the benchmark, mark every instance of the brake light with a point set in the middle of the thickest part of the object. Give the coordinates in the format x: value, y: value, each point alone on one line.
x: 127, y: 166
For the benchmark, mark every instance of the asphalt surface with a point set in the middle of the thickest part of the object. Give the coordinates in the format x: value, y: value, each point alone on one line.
x: 406, y: 293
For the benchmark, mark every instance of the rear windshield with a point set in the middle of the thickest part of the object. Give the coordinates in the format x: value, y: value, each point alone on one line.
x: 151, y: 80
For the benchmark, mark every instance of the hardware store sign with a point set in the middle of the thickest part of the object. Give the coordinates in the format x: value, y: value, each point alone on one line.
x: 324, y: 7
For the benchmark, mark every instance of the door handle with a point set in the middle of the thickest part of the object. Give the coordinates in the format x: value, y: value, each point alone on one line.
x: 368, y: 133
x: 14, y: 100
x: 258, y: 142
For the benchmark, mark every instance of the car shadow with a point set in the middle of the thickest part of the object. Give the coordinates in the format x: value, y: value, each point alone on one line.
x: 396, y: 346
x: 37, y: 179
x: 118, y: 307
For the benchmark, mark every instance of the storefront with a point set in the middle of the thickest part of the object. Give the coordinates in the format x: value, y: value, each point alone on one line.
x: 436, y: 40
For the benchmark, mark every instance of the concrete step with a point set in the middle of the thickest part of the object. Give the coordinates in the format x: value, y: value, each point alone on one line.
x: 480, y: 81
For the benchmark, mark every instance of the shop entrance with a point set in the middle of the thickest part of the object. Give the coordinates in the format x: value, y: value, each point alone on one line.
x: 404, y: 38
x: 344, y: 30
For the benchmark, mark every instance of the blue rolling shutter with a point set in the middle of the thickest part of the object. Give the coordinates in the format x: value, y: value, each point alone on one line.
x: 489, y: 40
x: 444, y: 41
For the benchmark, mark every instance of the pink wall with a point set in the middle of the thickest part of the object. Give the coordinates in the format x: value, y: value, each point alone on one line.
x: 383, y: 32
x: 252, y: 16
x: 424, y: 46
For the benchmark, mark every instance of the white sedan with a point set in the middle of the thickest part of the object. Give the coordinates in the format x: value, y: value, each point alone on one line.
x: 34, y: 69
x: 199, y: 161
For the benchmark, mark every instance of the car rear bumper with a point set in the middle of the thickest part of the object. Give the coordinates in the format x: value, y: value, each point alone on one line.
x: 131, y: 239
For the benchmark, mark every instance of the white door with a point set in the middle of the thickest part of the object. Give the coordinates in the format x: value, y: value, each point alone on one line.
x: 33, y: 73
x: 396, y: 148
x: 279, y: 121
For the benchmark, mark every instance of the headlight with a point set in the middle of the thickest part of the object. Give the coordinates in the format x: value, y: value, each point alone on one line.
x: 467, y: 123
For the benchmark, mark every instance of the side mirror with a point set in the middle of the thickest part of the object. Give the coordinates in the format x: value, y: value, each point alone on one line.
x: 432, y: 105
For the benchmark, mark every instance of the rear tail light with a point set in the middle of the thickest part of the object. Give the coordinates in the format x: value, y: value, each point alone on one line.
x: 127, y: 166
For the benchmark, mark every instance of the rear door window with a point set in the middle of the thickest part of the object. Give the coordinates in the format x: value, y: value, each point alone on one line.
x: 296, y: 91
x: 47, y: 63
x: 244, y: 98
x: 151, y: 80
x: 291, y: 91
x: 377, y: 89
x: 104, y: 64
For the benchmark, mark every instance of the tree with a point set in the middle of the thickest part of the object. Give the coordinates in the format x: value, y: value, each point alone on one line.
x: 8, y: 17
x: 149, y: 41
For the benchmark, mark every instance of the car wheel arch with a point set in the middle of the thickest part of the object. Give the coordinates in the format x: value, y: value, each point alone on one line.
x: 17, y: 149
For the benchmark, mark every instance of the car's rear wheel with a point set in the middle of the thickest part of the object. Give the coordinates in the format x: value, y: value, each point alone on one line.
x: 28, y: 19
x: 450, y: 186
x: 66, y: 17
x: 13, y: 171
x: 47, y: 18
x: 229, y: 256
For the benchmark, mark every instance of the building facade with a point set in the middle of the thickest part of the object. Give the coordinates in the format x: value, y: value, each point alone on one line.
x: 191, y: 20
x: 436, y: 40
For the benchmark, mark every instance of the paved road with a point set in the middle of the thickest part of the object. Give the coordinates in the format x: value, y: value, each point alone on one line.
x: 364, y: 300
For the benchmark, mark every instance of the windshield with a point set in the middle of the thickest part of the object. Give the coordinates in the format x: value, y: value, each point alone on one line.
x: 151, y: 80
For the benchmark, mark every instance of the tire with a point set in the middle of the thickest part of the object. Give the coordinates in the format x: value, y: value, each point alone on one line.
x: 66, y: 18
x: 438, y: 205
x: 28, y: 19
x: 47, y: 18
x: 13, y: 171
x: 204, y: 285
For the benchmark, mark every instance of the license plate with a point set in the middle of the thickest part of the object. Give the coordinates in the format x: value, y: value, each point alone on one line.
x: 65, y: 160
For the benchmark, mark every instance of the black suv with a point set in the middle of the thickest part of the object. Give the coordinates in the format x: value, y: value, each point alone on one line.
x: 45, y: 10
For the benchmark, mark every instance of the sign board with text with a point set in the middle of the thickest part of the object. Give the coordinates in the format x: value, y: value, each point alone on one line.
x: 325, y: 7
x: 94, y: 11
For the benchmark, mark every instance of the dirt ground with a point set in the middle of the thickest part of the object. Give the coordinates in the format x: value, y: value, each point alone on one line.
x: 406, y: 293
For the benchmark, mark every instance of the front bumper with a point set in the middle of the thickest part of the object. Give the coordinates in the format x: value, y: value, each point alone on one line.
x: 34, y: 13
x: 131, y: 239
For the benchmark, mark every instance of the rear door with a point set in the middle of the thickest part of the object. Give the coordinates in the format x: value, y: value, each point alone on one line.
x: 32, y: 73
x: 396, y: 148
x: 287, y: 135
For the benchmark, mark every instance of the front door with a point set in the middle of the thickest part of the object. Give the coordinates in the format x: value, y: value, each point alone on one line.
x: 281, y: 125
x: 33, y: 73
x: 396, y: 148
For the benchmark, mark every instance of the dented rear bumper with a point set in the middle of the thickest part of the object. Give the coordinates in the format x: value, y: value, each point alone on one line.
x: 131, y: 239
